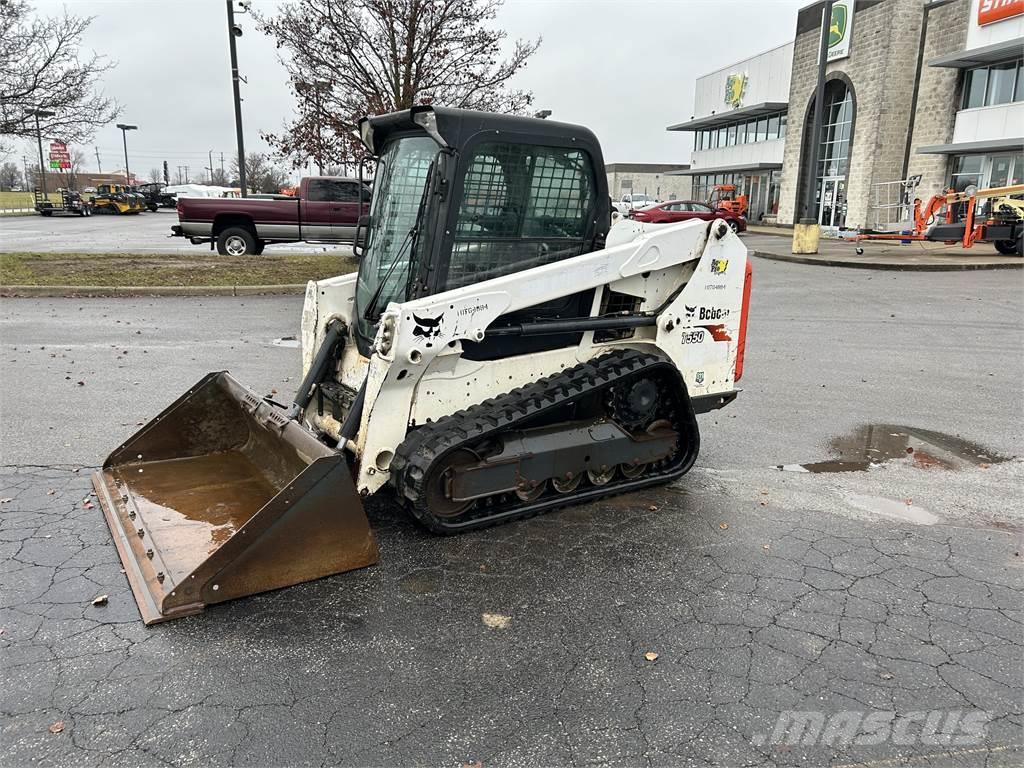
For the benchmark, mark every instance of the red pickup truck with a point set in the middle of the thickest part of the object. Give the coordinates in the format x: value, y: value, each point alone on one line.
x: 326, y: 210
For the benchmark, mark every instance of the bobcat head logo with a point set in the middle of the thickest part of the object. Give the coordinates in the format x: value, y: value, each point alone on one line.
x: 427, y: 328
x: 689, y: 311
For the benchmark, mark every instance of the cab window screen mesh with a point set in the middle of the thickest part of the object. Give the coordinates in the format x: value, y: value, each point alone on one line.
x: 522, y: 206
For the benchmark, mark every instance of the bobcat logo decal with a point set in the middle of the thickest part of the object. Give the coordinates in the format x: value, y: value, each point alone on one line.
x: 427, y: 328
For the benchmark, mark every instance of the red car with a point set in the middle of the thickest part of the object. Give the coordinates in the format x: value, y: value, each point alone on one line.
x: 672, y: 211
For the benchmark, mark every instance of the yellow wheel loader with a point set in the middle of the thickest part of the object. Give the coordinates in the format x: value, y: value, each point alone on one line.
x: 115, y: 198
x: 502, y: 352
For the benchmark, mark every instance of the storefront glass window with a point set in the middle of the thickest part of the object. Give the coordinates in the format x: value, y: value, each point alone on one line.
x: 1001, y: 79
x: 834, y: 155
x: 1017, y: 174
x: 975, y: 81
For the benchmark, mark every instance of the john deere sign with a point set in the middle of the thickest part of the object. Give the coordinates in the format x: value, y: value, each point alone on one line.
x: 840, y: 30
x: 735, y: 85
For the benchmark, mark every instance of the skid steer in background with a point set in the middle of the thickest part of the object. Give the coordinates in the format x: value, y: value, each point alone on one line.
x: 502, y: 352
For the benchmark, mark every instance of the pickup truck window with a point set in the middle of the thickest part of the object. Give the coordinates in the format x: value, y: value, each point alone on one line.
x: 333, y: 191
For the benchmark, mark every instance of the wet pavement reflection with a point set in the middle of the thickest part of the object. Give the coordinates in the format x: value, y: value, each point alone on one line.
x: 875, y: 444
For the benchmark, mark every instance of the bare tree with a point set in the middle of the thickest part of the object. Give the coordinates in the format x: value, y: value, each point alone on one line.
x: 156, y: 174
x: 78, y: 158
x: 10, y: 176
x: 219, y: 178
x: 261, y: 174
x: 42, y: 67
x: 349, y: 58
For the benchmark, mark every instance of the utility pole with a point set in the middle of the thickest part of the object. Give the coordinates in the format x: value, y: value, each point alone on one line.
x: 222, y: 171
x: 233, y: 32
x: 99, y: 168
x: 186, y: 174
x: 39, y: 133
x: 24, y: 162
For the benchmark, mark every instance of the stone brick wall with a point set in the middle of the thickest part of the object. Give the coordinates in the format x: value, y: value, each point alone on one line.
x: 881, y: 68
x: 938, y: 95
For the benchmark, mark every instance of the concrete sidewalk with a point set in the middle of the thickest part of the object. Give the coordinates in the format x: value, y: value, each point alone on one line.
x: 774, y: 243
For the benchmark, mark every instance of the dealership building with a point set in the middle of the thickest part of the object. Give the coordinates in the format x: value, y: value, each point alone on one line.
x: 914, y: 88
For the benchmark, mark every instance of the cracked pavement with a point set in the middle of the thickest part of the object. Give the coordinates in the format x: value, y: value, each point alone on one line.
x: 760, y: 591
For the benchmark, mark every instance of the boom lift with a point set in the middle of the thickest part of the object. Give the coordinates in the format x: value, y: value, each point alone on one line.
x: 953, y: 218
x: 503, y: 352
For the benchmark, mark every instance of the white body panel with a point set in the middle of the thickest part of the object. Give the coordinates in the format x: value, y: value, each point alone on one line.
x: 692, y: 281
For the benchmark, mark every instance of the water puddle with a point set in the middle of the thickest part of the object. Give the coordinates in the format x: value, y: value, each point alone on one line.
x: 285, y: 341
x: 874, y: 444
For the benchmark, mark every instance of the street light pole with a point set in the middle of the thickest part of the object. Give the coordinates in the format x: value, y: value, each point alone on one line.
x: 37, y: 113
x: 807, y: 230
x: 125, y: 127
x: 233, y: 32
x: 810, y: 215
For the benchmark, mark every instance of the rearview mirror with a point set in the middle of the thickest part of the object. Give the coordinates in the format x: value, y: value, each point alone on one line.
x: 359, y: 241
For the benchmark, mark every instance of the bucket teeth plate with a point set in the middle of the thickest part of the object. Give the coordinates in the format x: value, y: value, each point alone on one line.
x: 221, y: 496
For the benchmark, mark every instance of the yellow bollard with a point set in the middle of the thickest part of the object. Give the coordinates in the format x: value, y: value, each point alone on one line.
x: 806, y: 235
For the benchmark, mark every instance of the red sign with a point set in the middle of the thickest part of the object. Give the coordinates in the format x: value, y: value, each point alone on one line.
x: 991, y: 11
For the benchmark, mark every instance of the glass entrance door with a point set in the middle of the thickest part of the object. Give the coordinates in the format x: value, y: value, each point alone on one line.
x: 755, y: 197
x: 832, y: 201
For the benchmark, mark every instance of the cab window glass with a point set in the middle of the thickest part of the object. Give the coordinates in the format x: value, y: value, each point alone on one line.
x: 522, y: 206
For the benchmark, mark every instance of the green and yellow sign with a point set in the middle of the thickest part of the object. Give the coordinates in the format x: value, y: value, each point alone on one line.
x: 735, y: 86
x: 840, y: 30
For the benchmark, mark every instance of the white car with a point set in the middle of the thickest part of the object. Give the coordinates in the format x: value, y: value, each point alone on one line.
x: 628, y: 202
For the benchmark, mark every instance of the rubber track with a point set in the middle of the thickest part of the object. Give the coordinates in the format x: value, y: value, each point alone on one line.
x: 508, y: 411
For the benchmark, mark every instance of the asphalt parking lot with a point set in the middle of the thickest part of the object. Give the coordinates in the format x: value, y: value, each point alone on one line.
x: 140, y: 233
x: 688, y: 625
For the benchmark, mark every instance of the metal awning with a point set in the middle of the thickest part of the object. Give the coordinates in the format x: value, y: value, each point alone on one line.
x: 741, y: 168
x: 975, y: 57
x: 731, y: 116
x: 1011, y: 144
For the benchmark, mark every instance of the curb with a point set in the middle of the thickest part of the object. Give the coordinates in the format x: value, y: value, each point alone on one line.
x: 106, y: 291
x: 893, y: 266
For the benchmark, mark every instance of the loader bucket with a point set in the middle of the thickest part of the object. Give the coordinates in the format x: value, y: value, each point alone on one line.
x: 222, y: 496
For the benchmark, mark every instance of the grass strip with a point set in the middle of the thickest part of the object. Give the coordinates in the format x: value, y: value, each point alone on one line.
x: 149, y: 269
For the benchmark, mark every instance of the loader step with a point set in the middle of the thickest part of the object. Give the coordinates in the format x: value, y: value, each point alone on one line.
x: 456, y: 443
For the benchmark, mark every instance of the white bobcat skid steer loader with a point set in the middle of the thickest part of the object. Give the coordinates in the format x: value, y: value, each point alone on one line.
x: 502, y: 352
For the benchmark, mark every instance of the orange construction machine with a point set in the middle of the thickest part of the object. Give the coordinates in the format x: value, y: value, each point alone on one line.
x: 724, y: 197
x: 955, y: 217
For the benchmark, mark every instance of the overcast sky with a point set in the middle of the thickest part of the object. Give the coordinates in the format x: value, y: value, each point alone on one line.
x: 624, y: 68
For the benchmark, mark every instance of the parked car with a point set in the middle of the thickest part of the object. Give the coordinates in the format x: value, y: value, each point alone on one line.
x: 630, y: 202
x: 326, y: 210
x: 685, y: 210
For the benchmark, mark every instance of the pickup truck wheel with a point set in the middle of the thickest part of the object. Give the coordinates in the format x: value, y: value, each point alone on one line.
x: 236, y: 241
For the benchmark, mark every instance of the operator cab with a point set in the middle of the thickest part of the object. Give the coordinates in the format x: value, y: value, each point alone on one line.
x: 461, y: 197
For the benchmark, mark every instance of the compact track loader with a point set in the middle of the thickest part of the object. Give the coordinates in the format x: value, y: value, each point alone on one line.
x: 502, y: 352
